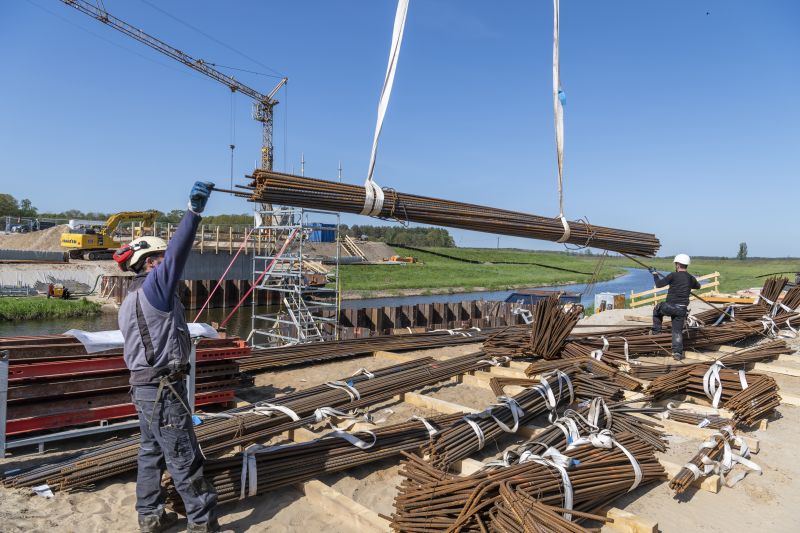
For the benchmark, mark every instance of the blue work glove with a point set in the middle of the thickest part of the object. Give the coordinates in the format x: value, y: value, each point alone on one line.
x: 199, y: 195
x: 653, y: 270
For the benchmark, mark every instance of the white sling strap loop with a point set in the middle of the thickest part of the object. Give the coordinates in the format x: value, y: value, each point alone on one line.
x: 362, y: 371
x: 554, y: 459
x: 558, y: 118
x: 432, y: 431
x: 712, y: 384
x: 516, y: 412
x: 743, y: 379
x: 349, y: 389
x: 352, y: 439
x: 268, y: 409
x: 324, y: 413
x: 478, y: 431
x: 373, y: 202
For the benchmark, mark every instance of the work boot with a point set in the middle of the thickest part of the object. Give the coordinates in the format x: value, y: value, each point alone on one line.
x: 677, y: 356
x: 156, y: 523
x: 209, y: 527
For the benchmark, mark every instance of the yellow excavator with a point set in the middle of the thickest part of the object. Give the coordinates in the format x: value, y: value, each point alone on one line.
x: 94, y: 243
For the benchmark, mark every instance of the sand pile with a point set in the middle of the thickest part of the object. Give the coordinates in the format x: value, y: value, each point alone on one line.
x: 48, y: 240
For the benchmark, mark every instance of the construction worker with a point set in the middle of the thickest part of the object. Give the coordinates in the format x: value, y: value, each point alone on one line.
x: 676, y: 306
x: 156, y: 351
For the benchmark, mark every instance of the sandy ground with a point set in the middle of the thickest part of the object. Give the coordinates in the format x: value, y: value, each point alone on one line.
x: 769, y: 502
x: 48, y: 240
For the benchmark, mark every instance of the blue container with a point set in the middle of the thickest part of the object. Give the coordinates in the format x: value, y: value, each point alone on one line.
x: 322, y: 232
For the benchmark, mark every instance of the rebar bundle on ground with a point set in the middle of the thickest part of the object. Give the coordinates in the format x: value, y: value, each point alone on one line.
x: 516, y: 511
x: 748, y: 395
x: 715, y: 456
x: 272, y: 467
x: 703, y: 420
x: 257, y: 423
x: 587, y: 478
x: 473, y: 431
x: 543, y: 337
x: 265, y: 359
x: 587, y: 364
x: 298, y: 191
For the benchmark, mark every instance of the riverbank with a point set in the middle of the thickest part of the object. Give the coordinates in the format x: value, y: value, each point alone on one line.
x: 487, y: 270
x: 40, y: 308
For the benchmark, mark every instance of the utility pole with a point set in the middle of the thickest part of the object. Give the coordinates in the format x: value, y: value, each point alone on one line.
x: 302, y: 164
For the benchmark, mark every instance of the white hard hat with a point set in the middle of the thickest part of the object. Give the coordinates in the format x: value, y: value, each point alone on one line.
x: 129, y: 256
x: 683, y: 259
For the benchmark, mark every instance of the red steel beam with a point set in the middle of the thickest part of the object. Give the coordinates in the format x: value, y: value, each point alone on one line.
x: 87, y: 416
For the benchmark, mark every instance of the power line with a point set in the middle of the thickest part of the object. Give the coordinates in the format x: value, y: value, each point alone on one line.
x: 211, y: 37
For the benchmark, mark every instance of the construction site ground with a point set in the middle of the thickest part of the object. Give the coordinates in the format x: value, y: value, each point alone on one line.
x: 353, y: 500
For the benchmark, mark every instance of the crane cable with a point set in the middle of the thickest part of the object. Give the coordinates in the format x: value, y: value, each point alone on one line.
x: 373, y: 199
x: 559, y: 100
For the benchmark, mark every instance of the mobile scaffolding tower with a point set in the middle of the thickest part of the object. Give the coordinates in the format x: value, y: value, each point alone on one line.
x: 303, y: 302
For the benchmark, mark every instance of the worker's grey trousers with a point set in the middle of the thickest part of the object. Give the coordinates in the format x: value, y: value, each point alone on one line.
x: 168, y: 441
x: 678, y: 314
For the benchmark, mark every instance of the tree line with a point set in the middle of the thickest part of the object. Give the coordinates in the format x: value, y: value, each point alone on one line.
x: 433, y: 237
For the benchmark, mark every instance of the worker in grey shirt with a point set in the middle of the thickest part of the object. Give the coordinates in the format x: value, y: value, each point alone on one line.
x: 676, y: 305
x: 156, y: 351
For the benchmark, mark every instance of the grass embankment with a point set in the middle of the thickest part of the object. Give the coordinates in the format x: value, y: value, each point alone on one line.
x: 41, y: 308
x: 440, y: 274
x: 734, y: 273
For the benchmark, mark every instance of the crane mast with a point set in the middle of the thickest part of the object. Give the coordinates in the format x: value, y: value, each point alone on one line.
x: 263, y: 105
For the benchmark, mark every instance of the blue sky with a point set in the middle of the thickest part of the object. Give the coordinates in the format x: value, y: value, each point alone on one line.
x: 678, y: 122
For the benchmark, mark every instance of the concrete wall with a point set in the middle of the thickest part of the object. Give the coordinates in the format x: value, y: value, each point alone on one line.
x: 31, y: 255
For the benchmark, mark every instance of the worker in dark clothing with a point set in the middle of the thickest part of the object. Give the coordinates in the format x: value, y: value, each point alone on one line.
x: 157, y: 347
x: 676, y: 306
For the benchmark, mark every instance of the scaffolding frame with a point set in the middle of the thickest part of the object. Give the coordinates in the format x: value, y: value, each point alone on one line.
x: 304, y: 312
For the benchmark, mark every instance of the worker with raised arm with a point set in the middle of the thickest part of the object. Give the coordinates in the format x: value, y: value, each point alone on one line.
x: 156, y: 351
x: 676, y: 306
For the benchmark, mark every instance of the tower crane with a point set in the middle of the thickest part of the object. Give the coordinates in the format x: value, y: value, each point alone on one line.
x: 263, y: 104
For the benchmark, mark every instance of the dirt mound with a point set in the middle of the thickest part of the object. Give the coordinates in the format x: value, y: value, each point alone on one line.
x: 48, y: 240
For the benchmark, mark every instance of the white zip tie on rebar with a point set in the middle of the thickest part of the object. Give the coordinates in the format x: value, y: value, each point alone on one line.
x: 712, y: 384
x: 362, y: 371
x: 268, y: 409
x: 349, y: 389
x: 373, y: 199
x: 554, y: 459
x: 432, y: 431
x: 598, y: 354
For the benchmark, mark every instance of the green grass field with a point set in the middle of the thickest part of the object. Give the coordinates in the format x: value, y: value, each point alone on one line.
x: 439, y: 273
x: 41, y: 308
x: 436, y: 273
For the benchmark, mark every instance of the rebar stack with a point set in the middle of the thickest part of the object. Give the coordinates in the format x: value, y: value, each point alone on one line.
x: 279, y: 466
x: 710, y: 453
x: 472, y: 432
x: 429, y: 500
x: 705, y: 420
x: 750, y: 396
x: 298, y: 191
x: 516, y: 511
x: 242, y: 426
x: 586, y: 364
x: 265, y: 359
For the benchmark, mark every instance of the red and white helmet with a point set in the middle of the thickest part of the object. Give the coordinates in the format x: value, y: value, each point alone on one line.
x: 132, y: 254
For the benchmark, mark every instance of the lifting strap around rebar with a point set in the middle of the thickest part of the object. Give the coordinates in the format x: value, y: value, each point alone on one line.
x: 559, y: 99
x: 373, y: 200
x: 554, y: 459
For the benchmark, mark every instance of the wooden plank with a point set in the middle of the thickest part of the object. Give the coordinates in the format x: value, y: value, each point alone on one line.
x: 710, y: 483
x: 435, y: 404
x: 467, y: 467
x: 692, y: 431
x: 627, y: 522
x: 772, y: 368
x: 343, y: 509
x: 504, y: 372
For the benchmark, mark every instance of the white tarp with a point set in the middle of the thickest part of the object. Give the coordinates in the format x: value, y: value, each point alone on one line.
x: 100, y: 341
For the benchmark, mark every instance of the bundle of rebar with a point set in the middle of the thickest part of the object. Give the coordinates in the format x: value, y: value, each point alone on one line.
x: 265, y: 359
x: 703, y: 420
x: 715, y: 456
x: 750, y: 396
x: 298, y: 191
x: 516, y: 511
x: 474, y: 431
x: 278, y: 466
x: 430, y: 500
x: 246, y: 425
x: 543, y: 337
x: 587, y: 364
x: 766, y: 304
